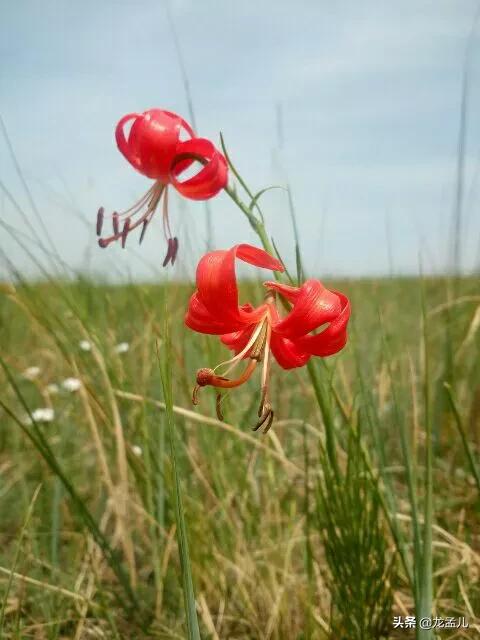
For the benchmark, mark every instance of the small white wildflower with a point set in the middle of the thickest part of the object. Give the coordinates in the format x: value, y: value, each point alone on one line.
x: 85, y: 345
x: 137, y: 451
x: 71, y: 384
x: 31, y: 373
x: 53, y: 388
x: 122, y: 347
x: 43, y: 414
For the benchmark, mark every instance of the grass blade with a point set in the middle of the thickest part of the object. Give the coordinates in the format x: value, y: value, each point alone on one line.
x: 426, y: 560
x: 41, y: 444
x: 17, y: 555
x: 458, y: 421
x: 188, y: 591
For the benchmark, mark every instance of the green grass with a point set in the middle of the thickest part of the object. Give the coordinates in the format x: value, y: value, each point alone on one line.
x: 248, y: 536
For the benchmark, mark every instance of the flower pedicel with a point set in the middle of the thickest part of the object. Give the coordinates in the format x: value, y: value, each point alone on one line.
x: 254, y: 333
x: 154, y: 148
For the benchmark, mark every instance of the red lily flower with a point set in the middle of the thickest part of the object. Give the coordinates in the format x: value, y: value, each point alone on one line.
x: 154, y: 148
x: 253, y: 332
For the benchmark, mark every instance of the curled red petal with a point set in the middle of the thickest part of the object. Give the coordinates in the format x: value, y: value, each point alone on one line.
x: 288, y: 354
x: 333, y: 338
x: 289, y: 292
x: 313, y: 306
x: 152, y: 141
x: 122, y: 142
x: 198, y: 318
x: 257, y: 257
x: 154, y: 138
x: 215, y: 303
x: 211, y: 178
x: 181, y: 123
x: 238, y: 340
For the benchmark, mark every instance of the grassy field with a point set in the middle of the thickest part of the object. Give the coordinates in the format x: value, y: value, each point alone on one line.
x: 287, y: 537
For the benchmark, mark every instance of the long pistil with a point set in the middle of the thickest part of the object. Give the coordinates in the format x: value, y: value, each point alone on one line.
x: 207, y: 377
x: 258, y: 350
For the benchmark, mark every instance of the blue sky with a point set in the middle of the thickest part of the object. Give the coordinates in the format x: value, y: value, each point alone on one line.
x: 370, y: 100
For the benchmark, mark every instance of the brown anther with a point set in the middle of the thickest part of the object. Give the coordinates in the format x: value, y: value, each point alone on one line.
x: 269, y: 422
x: 266, y: 416
x: 100, y: 220
x: 103, y: 242
x: 116, y: 228
x: 258, y: 348
x: 174, y: 250
x: 195, y: 391
x: 144, y: 228
x: 218, y: 407
x: 169, y: 253
x: 125, y: 230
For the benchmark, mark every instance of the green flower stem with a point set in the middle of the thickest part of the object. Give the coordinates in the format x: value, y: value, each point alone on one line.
x: 319, y: 389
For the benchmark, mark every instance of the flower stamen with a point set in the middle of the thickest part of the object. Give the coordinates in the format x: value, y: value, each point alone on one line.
x: 100, y: 214
x: 115, y: 224
x: 171, y: 251
x: 239, y: 356
x: 125, y: 230
x: 148, y: 203
x: 265, y: 415
x: 218, y: 407
x: 144, y: 228
x: 257, y: 348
